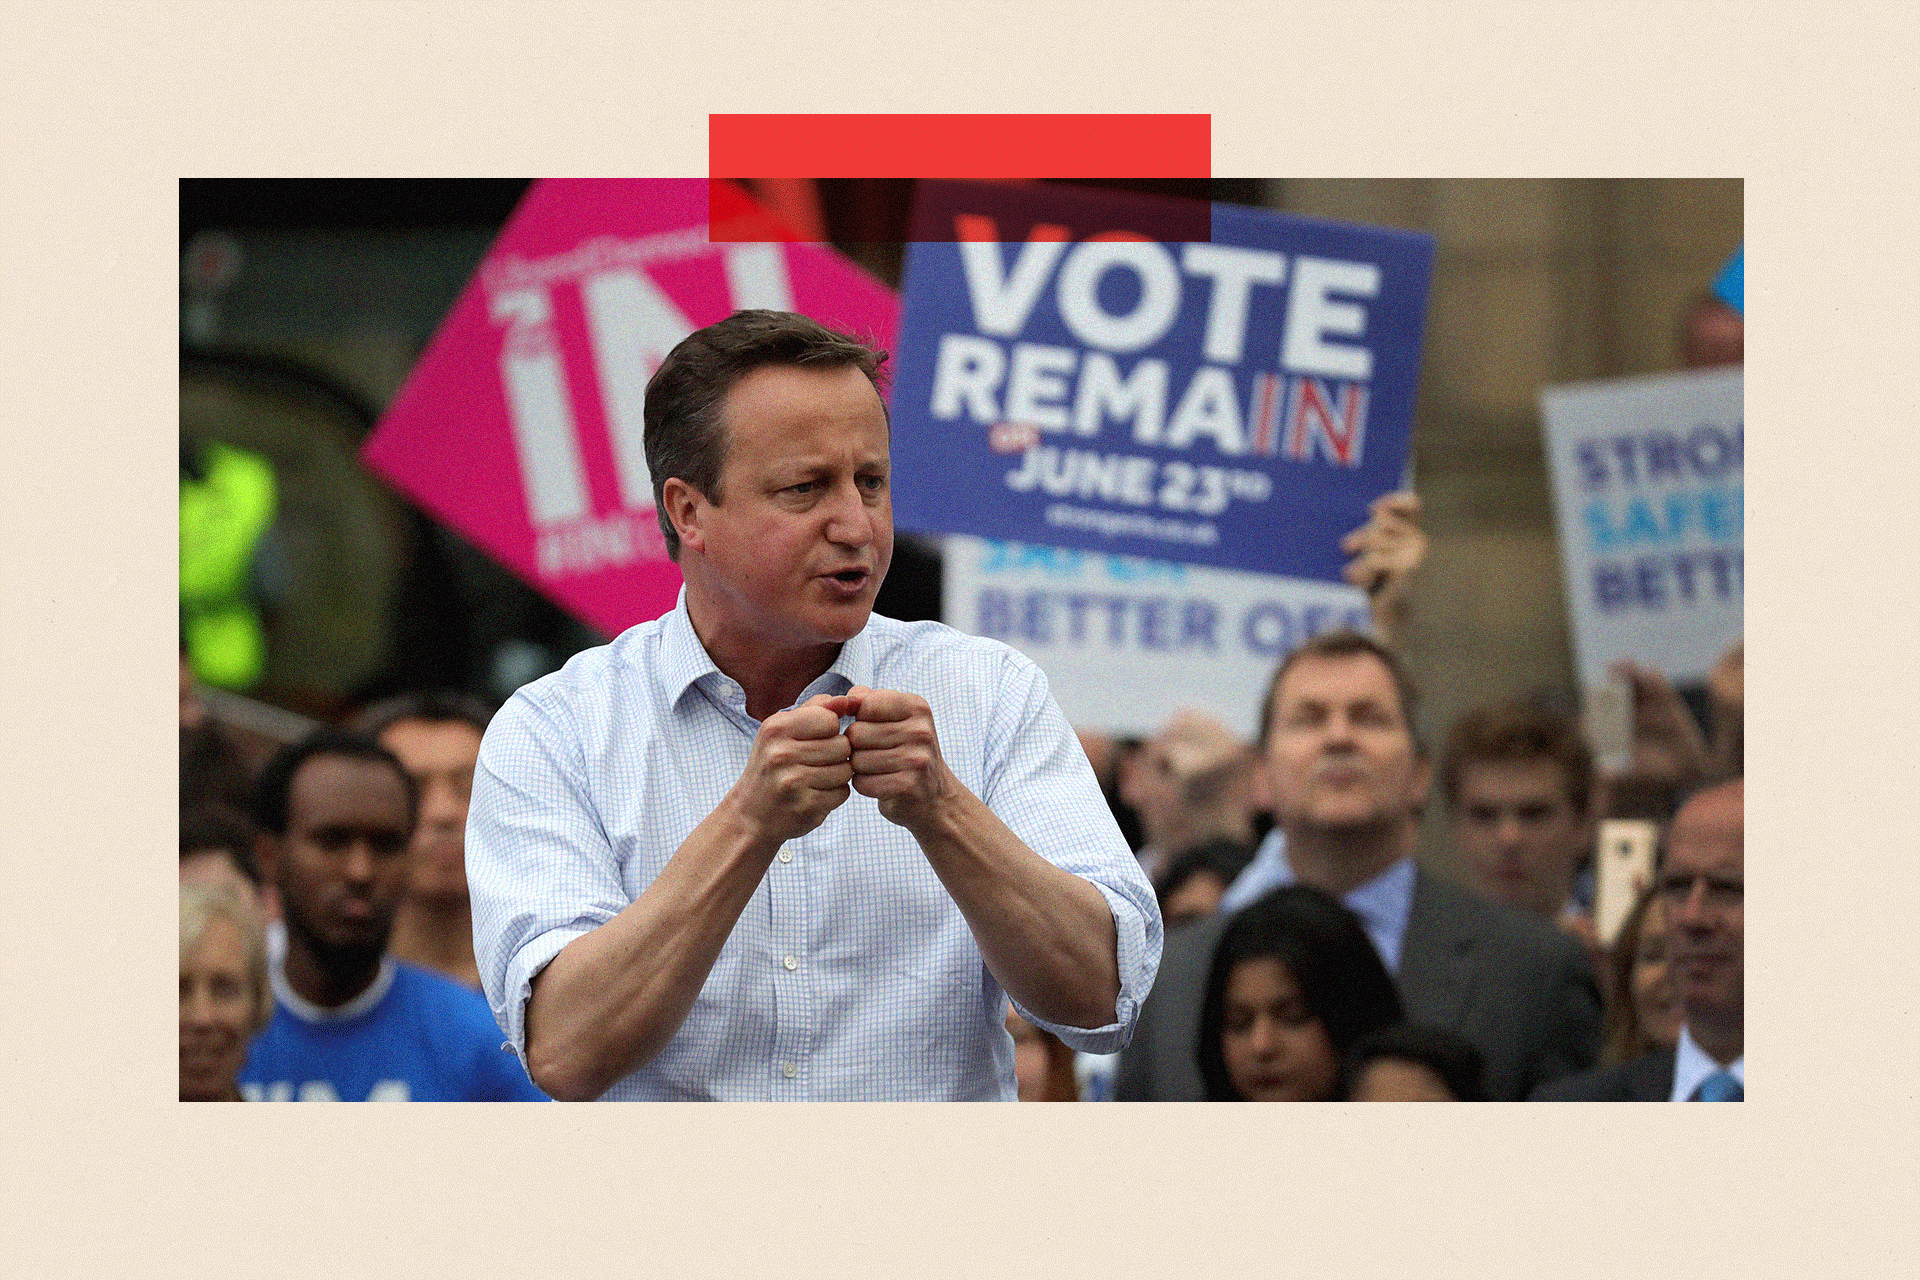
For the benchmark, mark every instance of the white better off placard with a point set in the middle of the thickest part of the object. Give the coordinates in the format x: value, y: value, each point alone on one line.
x: 1127, y: 642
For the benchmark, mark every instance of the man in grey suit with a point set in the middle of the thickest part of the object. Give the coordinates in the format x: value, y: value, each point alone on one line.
x: 1346, y: 779
x: 1703, y: 879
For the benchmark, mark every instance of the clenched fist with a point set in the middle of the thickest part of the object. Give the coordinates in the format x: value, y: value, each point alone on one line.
x: 896, y: 754
x: 799, y: 770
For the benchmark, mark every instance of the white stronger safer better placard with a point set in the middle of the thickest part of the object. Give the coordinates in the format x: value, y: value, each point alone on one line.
x: 1649, y: 497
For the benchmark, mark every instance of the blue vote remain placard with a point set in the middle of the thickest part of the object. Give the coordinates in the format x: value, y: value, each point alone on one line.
x: 1233, y: 401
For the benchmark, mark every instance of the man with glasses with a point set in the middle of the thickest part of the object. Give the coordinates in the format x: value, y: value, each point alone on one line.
x: 1703, y: 881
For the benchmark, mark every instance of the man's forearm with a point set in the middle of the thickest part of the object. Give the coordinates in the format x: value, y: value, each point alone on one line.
x: 1046, y: 934
x: 612, y: 999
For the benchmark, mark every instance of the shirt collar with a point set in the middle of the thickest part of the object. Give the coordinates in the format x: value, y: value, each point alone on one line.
x: 854, y: 662
x: 684, y: 660
x: 1692, y: 1064
x: 307, y: 1011
x: 1382, y: 903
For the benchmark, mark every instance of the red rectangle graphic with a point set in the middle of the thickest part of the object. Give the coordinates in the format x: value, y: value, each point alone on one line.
x: 960, y: 146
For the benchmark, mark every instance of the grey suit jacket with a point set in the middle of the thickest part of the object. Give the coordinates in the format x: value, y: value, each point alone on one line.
x: 1520, y: 990
x: 1648, y: 1079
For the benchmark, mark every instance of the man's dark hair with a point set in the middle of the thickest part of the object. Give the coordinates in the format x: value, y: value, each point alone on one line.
x: 685, y: 437
x: 216, y: 826
x: 1325, y: 948
x: 212, y: 770
x: 1223, y: 859
x: 435, y: 706
x: 1344, y: 644
x: 1459, y: 1065
x: 275, y: 786
x: 1516, y: 732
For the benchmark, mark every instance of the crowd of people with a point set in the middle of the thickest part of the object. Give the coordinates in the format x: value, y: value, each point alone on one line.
x: 1501, y: 981
x: 641, y: 877
x: 326, y: 947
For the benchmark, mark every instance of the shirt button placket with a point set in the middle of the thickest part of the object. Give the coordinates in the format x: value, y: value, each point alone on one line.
x: 792, y: 994
x: 793, y: 1030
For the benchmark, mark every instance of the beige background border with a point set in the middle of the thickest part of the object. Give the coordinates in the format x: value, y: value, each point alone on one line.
x: 108, y: 104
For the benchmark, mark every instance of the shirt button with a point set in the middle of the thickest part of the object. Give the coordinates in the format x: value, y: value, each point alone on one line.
x: 788, y: 1070
x: 791, y: 963
x: 786, y: 854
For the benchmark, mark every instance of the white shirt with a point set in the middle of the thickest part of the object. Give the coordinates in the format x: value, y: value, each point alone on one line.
x: 1268, y: 869
x: 1383, y: 903
x: 851, y: 973
x: 1692, y: 1064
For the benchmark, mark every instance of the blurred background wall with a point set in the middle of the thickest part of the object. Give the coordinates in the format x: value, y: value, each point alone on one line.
x: 1536, y: 282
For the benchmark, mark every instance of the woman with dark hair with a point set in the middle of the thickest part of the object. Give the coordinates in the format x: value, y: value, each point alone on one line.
x: 1295, y: 982
x: 1192, y: 883
x: 1642, y: 1012
x: 1415, y: 1062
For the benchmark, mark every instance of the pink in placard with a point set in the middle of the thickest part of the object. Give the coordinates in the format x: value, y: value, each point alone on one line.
x: 521, y: 425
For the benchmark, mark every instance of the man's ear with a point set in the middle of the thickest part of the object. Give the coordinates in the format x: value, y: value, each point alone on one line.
x: 683, y: 504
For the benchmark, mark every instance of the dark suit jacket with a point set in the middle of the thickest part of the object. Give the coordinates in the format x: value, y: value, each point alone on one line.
x: 1520, y: 990
x: 1648, y: 1079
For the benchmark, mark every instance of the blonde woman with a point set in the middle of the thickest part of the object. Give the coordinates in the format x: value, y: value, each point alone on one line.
x: 224, y: 996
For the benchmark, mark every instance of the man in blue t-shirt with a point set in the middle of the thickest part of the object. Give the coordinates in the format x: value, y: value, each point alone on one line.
x: 350, y: 1023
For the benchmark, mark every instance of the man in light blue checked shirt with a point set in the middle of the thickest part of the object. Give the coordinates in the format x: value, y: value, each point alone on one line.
x: 730, y: 855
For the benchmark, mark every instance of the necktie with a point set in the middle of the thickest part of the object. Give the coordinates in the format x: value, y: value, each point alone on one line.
x: 1719, y: 1087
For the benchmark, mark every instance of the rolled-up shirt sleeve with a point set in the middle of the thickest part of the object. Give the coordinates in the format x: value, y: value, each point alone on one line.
x: 540, y: 869
x: 1041, y: 785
